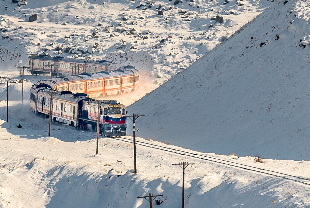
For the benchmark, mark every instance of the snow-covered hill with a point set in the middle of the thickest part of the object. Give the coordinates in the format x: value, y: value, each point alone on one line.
x: 249, y: 96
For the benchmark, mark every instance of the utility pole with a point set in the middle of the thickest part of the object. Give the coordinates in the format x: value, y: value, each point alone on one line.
x: 50, y: 114
x: 134, y: 118
x: 7, y: 100
x: 23, y: 67
x: 150, y: 196
x: 98, y: 120
x: 184, y: 165
x: 52, y: 71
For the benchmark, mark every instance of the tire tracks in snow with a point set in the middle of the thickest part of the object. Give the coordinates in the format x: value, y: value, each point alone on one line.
x: 218, y: 160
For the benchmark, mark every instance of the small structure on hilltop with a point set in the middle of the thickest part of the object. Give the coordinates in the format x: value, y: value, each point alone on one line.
x: 20, y: 2
x: 33, y: 17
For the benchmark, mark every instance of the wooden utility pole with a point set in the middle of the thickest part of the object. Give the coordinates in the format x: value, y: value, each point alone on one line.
x: 184, y: 165
x: 7, y: 100
x: 52, y: 70
x: 23, y: 68
x: 134, y: 118
x: 98, y: 121
x: 51, y: 113
x: 150, y: 196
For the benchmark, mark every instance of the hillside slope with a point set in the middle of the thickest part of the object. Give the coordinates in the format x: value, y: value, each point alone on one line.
x: 249, y: 96
x: 125, y: 32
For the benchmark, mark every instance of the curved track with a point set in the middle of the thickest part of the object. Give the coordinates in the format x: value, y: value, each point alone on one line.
x: 217, y: 160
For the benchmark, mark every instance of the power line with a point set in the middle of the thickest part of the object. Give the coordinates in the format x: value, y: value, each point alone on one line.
x: 4, y: 91
x: 209, y: 196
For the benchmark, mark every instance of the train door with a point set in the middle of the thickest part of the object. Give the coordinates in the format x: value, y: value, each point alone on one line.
x: 61, y: 108
x: 43, y: 103
x: 73, y: 112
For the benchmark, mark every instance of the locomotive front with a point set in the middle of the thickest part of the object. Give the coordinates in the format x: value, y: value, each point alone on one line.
x: 112, y: 117
x: 114, y: 120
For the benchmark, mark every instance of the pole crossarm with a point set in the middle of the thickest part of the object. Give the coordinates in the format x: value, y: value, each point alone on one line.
x: 184, y: 164
x: 150, y: 198
x: 23, y: 67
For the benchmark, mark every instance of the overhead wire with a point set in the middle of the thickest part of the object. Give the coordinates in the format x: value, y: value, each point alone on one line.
x: 6, y: 89
x: 209, y: 196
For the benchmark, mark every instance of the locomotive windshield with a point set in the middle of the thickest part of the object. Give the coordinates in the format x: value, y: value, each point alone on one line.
x: 112, y: 110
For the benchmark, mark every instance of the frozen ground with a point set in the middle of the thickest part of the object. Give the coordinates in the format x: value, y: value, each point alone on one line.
x: 246, y: 98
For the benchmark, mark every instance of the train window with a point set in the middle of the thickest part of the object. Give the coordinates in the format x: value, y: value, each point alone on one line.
x: 56, y: 105
x: 105, y: 111
x: 111, y: 82
x: 124, y: 111
x: 70, y: 108
x: 136, y: 78
x: 106, y: 82
x: 65, y: 107
x: 130, y: 79
x: 117, y: 82
x: 61, y: 106
x: 124, y: 80
x: 114, y: 110
x: 73, y: 110
x: 32, y: 97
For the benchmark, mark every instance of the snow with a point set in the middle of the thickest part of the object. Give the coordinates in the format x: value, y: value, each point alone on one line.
x: 237, y: 114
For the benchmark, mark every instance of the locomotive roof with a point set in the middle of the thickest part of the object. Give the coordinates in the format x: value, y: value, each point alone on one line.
x: 91, y: 101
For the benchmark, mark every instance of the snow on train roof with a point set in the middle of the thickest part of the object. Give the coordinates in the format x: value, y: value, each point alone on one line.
x: 60, y: 58
x: 98, y: 75
x: 84, y: 76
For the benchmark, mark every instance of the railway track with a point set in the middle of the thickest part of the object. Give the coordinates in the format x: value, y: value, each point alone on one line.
x: 217, y: 160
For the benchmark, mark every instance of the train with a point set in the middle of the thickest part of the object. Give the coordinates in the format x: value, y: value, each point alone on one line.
x: 101, y: 84
x: 79, y: 110
x: 59, y: 66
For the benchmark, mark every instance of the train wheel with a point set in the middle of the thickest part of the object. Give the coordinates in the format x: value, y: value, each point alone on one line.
x: 94, y: 126
x: 89, y: 127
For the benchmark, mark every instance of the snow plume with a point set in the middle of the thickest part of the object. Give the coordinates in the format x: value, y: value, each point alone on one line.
x: 146, y: 85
